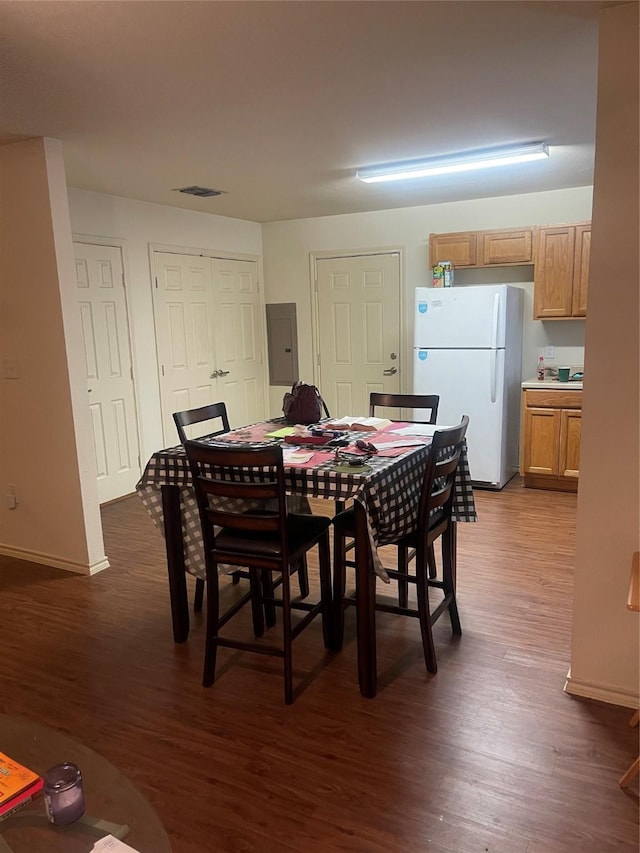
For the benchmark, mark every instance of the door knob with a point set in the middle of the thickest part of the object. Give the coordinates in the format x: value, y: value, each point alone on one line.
x: 223, y: 372
x: 215, y: 374
x: 391, y: 371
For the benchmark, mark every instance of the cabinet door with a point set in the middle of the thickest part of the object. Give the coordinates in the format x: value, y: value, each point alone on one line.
x: 581, y: 270
x: 459, y: 248
x: 554, y: 272
x: 570, y: 424
x: 541, y: 441
x: 507, y: 247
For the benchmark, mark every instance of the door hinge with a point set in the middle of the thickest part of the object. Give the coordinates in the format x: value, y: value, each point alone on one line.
x: 162, y: 368
x: 156, y: 282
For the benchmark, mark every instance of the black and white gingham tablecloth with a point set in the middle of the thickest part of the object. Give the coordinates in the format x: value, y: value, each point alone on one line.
x: 389, y: 491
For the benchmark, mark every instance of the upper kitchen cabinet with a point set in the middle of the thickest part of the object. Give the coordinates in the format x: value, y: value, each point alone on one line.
x: 561, y: 271
x: 473, y: 249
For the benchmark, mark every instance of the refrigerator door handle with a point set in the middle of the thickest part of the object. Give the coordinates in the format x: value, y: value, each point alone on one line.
x: 494, y: 325
x: 493, y: 367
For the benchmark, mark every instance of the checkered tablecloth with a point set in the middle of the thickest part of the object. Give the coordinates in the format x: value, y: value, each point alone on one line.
x: 389, y: 490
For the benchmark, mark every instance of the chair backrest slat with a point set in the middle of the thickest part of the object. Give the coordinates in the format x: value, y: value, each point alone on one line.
x: 212, y: 412
x: 406, y: 401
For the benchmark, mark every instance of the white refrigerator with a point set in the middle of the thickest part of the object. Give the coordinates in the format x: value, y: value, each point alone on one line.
x: 468, y: 350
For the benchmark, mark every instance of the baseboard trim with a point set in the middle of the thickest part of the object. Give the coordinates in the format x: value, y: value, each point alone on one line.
x: 55, y: 562
x: 601, y: 692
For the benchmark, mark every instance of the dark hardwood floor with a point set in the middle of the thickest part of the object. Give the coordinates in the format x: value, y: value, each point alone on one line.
x: 488, y: 756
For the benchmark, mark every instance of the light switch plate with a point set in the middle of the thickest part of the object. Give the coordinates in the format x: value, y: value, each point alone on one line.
x: 9, y: 367
x: 549, y: 352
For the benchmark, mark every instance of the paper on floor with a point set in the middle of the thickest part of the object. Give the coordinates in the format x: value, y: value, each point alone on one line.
x: 109, y: 844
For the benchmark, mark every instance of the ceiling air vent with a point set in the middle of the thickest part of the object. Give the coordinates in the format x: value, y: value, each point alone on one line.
x: 202, y: 192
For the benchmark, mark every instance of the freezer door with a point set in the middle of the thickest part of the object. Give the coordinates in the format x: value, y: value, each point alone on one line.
x: 460, y: 317
x: 469, y: 382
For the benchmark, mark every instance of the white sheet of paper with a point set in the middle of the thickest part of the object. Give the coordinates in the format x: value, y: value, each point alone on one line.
x: 294, y: 455
x: 419, y: 429
x: 110, y: 844
x: 403, y: 442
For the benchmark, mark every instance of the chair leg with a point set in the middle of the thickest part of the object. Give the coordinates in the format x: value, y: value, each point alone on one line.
x: 403, y: 586
x: 303, y: 577
x: 256, y: 603
x: 449, y: 575
x: 339, y: 586
x: 324, y: 564
x: 211, y: 637
x: 287, y: 641
x: 631, y: 773
x: 425, y: 618
x: 267, y: 591
x: 199, y: 596
x: 431, y: 562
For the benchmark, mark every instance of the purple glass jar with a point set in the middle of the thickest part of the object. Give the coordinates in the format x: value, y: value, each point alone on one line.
x: 63, y: 794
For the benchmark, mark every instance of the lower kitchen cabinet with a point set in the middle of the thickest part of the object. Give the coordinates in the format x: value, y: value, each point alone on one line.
x: 550, y: 442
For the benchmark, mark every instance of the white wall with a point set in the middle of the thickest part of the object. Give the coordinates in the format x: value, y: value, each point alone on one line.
x: 287, y: 248
x: 139, y: 225
x: 604, y: 658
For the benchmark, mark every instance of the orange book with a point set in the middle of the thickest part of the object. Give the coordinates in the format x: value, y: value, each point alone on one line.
x: 19, y: 801
x: 14, y: 778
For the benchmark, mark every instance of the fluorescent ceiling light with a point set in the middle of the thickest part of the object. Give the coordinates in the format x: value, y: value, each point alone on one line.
x: 465, y: 162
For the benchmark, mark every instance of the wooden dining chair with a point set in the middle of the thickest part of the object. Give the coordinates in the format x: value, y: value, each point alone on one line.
x: 245, y: 522
x: 214, y: 412
x: 633, y: 603
x: 432, y: 522
x: 217, y: 412
x: 429, y: 404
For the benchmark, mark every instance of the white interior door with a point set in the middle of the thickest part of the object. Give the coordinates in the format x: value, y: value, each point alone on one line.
x: 184, y: 335
x: 209, y: 337
x: 103, y: 310
x: 239, y: 340
x: 358, y: 329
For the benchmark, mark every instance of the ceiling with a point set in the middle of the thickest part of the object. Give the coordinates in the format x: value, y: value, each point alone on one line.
x: 277, y: 103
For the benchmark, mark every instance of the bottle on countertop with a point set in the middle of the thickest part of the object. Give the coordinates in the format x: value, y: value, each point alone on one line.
x: 541, y: 368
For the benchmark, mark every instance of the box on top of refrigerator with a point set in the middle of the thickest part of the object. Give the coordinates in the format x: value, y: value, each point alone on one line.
x: 443, y: 274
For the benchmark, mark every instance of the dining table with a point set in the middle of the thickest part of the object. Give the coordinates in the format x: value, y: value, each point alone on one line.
x: 385, y: 491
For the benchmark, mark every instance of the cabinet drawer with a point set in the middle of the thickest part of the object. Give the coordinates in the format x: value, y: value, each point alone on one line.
x: 552, y: 399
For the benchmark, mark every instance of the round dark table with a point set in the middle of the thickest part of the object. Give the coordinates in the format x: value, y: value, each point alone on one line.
x: 109, y: 796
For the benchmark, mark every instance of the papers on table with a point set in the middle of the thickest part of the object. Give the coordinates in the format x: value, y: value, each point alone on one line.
x: 280, y: 433
x: 419, y: 429
x: 403, y: 442
x: 293, y: 454
x: 358, y: 424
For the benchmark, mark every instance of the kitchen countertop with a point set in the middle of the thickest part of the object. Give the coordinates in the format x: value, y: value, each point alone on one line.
x: 553, y: 383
